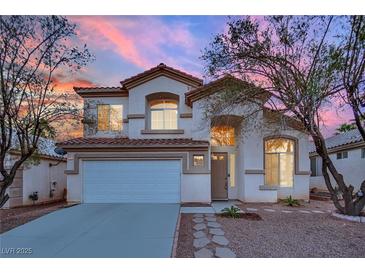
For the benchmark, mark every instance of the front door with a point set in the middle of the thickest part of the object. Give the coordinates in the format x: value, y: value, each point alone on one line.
x: 219, y: 176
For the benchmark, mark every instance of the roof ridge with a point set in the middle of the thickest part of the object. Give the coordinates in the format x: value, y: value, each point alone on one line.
x: 156, y: 68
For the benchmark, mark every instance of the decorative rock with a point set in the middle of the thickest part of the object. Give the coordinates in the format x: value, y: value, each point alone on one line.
x: 251, y: 209
x: 199, y: 234
x: 304, y: 211
x: 224, y: 252
x: 216, y: 231
x: 199, y: 226
x: 317, y: 211
x: 211, y: 219
x: 213, y: 224
x: 269, y: 210
x: 221, y: 240
x: 287, y: 211
x: 201, y: 242
x: 356, y: 219
x: 203, y: 253
x: 198, y: 220
x: 198, y: 215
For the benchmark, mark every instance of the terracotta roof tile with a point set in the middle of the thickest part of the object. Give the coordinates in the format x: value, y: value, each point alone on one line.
x: 161, y: 66
x: 216, y: 85
x: 123, y: 141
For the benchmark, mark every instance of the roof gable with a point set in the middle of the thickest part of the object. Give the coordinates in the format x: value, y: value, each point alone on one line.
x: 161, y: 70
x: 224, y: 83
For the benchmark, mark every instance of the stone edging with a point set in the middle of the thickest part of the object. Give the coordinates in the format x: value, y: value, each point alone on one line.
x: 357, y: 219
x: 176, y: 237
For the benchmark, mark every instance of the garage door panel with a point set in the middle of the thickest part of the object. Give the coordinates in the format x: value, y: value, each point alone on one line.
x: 131, y: 181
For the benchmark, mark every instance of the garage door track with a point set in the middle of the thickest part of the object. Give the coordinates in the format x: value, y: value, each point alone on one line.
x: 96, y: 230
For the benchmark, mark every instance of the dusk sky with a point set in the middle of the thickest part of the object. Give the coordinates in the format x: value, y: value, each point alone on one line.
x: 126, y: 45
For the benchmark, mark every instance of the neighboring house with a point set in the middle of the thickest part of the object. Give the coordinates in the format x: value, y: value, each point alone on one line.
x: 43, y: 173
x: 148, y: 141
x: 347, y: 151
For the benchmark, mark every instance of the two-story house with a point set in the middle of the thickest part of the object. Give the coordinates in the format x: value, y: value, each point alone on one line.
x: 149, y: 140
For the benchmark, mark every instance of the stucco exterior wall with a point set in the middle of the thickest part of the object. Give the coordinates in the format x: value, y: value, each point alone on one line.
x: 195, y: 188
x: 91, y: 112
x: 351, y: 168
x: 137, y: 105
x: 39, y: 178
x: 253, y: 168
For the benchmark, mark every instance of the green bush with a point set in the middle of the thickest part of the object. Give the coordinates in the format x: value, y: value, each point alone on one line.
x: 289, y: 201
x: 232, y: 212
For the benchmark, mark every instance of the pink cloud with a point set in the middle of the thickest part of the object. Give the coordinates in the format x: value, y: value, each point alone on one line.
x: 104, y: 34
x: 139, y: 40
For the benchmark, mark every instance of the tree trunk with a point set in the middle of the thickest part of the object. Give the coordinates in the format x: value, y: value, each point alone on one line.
x: 4, y: 184
x: 352, y: 205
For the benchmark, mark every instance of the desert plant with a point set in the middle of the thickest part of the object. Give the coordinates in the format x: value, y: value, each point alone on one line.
x: 289, y: 201
x: 232, y: 212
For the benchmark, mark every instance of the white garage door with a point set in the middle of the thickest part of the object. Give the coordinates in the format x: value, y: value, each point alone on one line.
x: 138, y: 181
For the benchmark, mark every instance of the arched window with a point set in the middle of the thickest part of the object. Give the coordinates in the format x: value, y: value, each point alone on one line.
x: 222, y: 136
x: 163, y: 114
x: 279, y: 162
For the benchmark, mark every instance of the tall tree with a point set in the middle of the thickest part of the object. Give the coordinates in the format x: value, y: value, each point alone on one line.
x: 32, y: 50
x: 296, y: 59
x: 353, y: 72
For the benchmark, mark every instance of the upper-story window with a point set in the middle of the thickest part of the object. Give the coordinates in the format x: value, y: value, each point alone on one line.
x: 222, y: 136
x: 163, y: 114
x: 279, y: 162
x: 110, y: 117
x: 363, y: 153
x: 342, y: 155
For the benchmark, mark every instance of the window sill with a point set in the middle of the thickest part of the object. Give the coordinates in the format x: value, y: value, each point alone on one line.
x: 162, y: 131
x: 265, y: 187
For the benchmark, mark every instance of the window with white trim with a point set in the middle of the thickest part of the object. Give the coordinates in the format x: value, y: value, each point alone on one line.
x: 163, y: 114
x: 198, y: 160
x: 279, y: 162
x: 363, y: 153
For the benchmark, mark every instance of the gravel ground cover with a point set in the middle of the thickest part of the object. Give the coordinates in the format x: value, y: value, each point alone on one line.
x: 185, y: 247
x: 282, y: 234
x: 11, y: 218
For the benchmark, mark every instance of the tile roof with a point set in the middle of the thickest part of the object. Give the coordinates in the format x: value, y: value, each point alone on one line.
x: 227, y: 81
x: 126, y: 142
x: 98, y: 88
x: 345, y: 138
x: 161, y: 67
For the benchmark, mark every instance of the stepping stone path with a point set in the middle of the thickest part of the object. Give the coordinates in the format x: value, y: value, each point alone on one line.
x: 224, y: 252
x: 216, y: 231
x: 199, y: 234
x: 221, y: 240
x: 211, y: 219
x: 201, y: 242
x: 203, y: 253
x: 213, y: 224
x: 198, y: 220
x: 200, y: 226
x: 209, y: 240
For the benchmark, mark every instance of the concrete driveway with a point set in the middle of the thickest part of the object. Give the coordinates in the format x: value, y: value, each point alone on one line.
x: 97, y: 230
